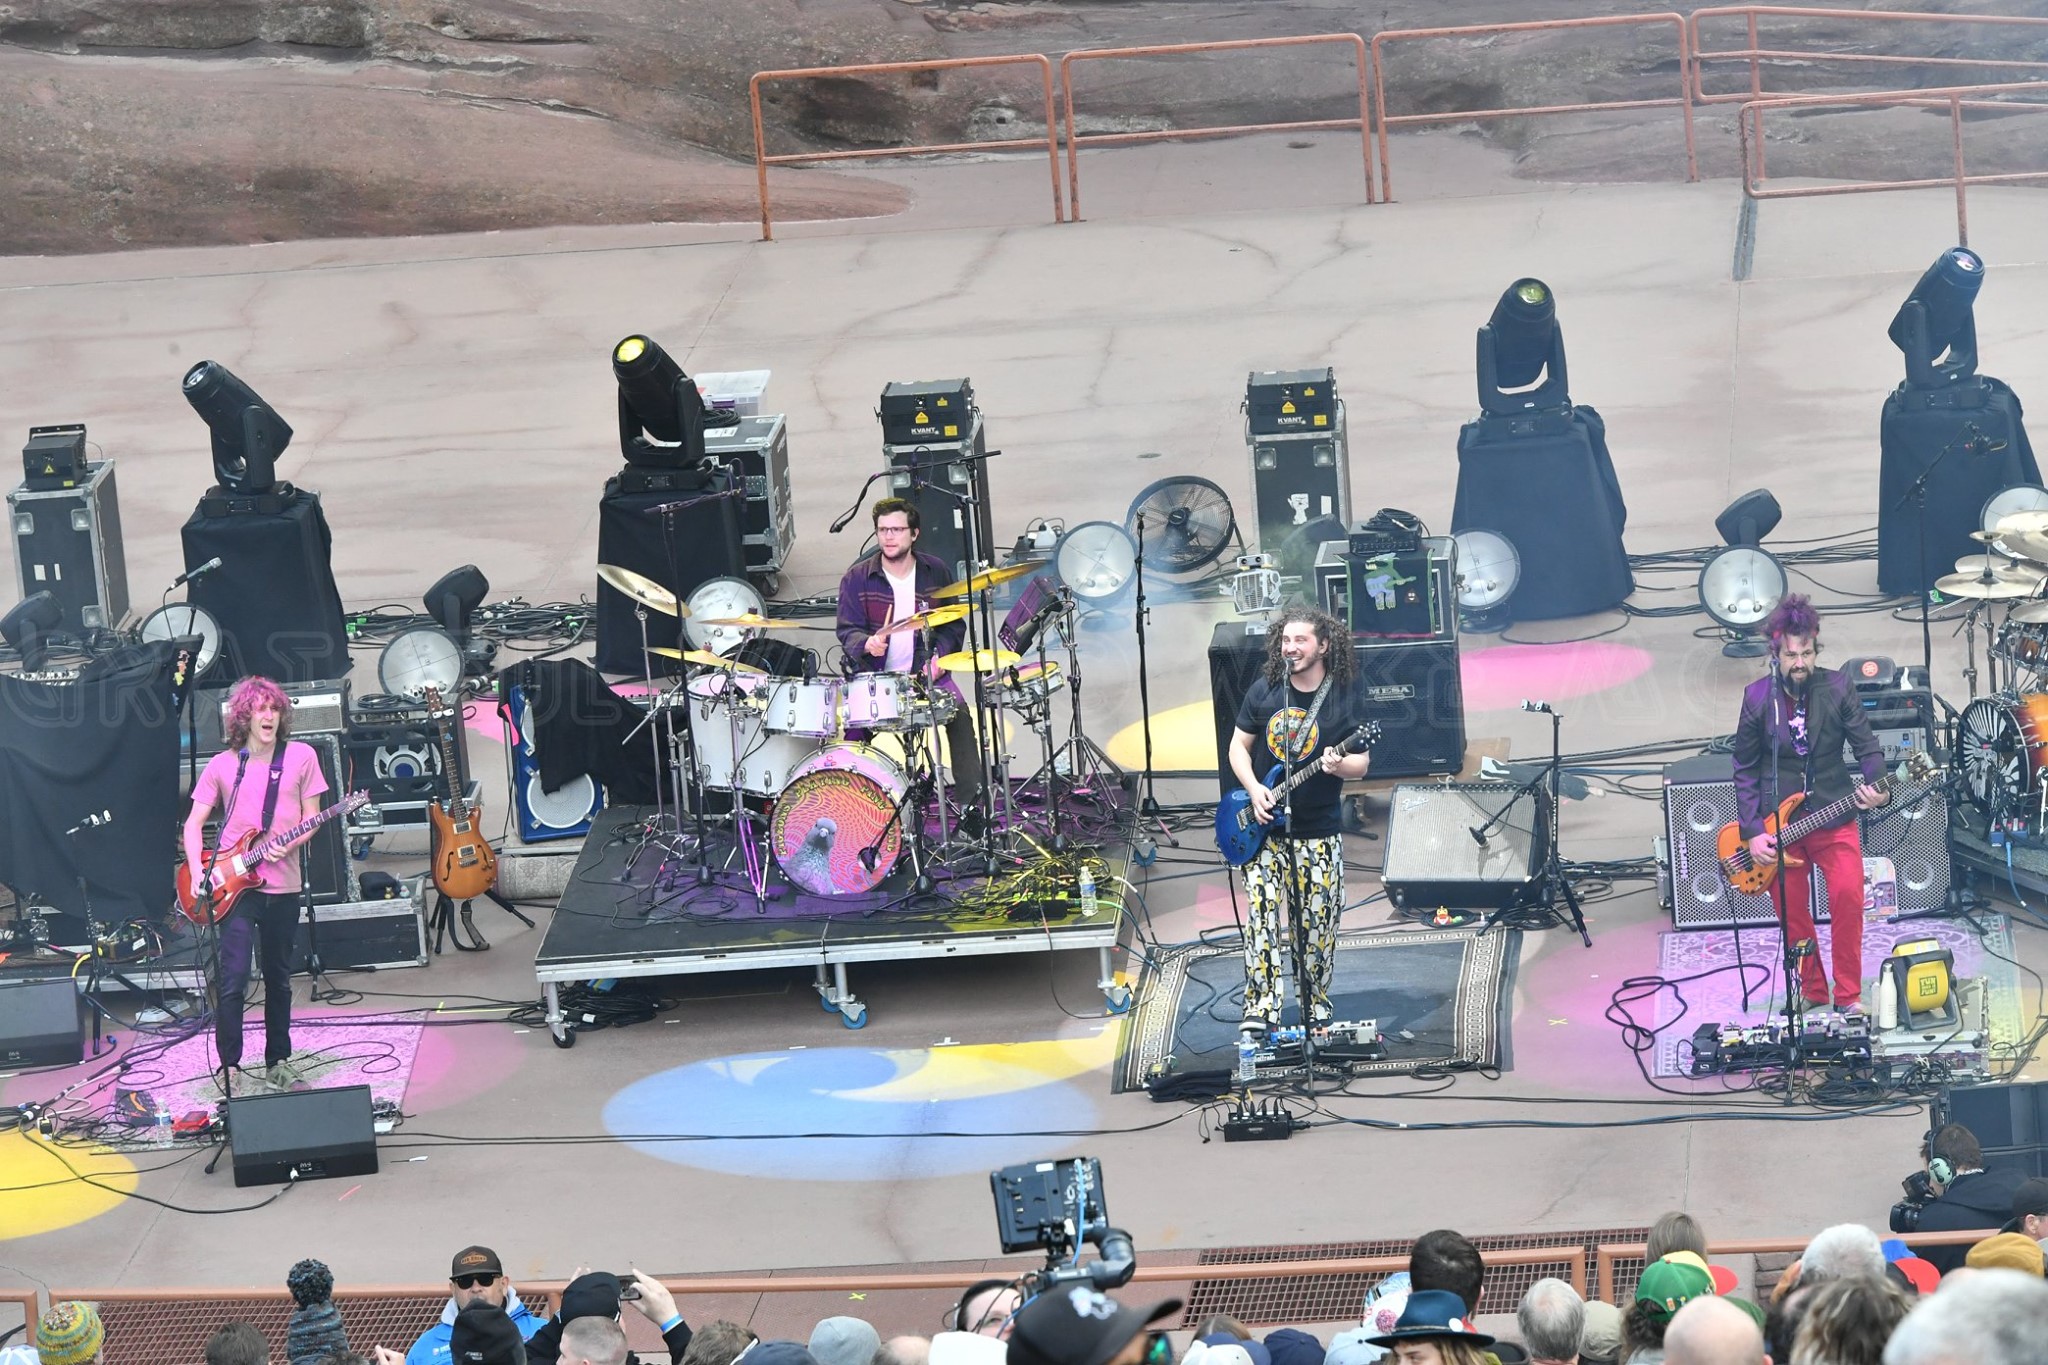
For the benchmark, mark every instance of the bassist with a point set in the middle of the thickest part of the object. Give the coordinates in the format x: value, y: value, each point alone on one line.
x: 1306, y: 695
x: 1813, y: 712
x: 263, y: 781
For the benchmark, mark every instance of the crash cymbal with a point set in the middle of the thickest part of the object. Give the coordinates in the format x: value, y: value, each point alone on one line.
x: 2033, y: 613
x: 2000, y: 566
x: 987, y: 578
x: 978, y: 660
x: 2031, y: 545
x: 1998, y: 587
x: 2022, y: 523
x: 753, y: 620
x: 704, y: 658
x: 936, y: 617
x: 642, y: 589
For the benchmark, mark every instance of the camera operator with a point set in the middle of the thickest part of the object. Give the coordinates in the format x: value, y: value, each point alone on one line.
x: 1954, y: 1194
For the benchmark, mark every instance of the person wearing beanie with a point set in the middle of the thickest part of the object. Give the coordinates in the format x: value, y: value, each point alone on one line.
x: 70, y: 1334
x: 844, y: 1341
x: 1600, y: 1339
x: 597, y: 1294
x: 315, y: 1331
x: 476, y: 1278
x: 482, y: 1334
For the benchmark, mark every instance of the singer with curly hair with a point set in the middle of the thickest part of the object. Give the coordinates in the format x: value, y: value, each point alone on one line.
x: 1801, y: 714
x: 1303, y: 705
x: 262, y: 780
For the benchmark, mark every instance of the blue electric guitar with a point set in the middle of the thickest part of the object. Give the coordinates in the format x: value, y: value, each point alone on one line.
x: 1239, y: 834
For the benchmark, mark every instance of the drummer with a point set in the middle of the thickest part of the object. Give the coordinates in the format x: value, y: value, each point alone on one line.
x: 893, y: 584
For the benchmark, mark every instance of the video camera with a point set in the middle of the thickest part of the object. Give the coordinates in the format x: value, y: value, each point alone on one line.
x: 1059, y: 1206
x: 1919, y: 1188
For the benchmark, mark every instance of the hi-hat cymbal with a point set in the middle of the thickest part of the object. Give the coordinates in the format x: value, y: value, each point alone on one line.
x: 704, y: 658
x: 934, y: 618
x: 2000, y: 566
x: 987, y: 578
x: 642, y: 589
x: 753, y: 620
x: 2018, y: 523
x: 2033, y: 613
x: 1998, y: 587
x: 978, y: 660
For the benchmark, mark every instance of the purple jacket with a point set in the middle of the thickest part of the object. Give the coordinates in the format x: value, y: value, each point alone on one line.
x: 1833, y: 715
x: 866, y: 599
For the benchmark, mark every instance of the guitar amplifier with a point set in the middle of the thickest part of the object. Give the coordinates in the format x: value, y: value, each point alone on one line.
x: 318, y: 708
x: 1699, y: 798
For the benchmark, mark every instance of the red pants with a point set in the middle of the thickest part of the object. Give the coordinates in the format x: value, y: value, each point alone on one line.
x: 1838, y: 852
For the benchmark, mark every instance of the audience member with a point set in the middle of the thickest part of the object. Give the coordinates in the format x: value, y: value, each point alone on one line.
x: 1448, y: 1261
x: 717, y: 1342
x: 2007, y: 1251
x: 1434, y: 1330
x: 2029, y: 1210
x: 966, y: 1348
x: 780, y: 1353
x: 1839, y: 1252
x: 598, y: 1294
x: 1713, y: 1331
x: 477, y: 1278
x: 1224, y: 1323
x: 986, y: 1308
x: 315, y: 1331
x: 1989, y: 1317
x: 1355, y: 1346
x: 1907, y: 1270
x: 1292, y: 1346
x: 483, y: 1334
x: 905, y: 1351
x: 1971, y: 1197
x: 592, y: 1340
x: 1848, y: 1321
x: 1075, y: 1325
x: 1552, y: 1320
x: 1781, y: 1323
x: 1676, y: 1232
x: 237, y: 1343
x: 1665, y: 1287
x: 1600, y: 1340
x: 1242, y: 1350
x: 844, y: 1341
x: 70, y: 1334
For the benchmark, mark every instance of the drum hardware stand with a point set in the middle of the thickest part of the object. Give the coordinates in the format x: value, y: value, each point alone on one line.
x: 1148, y: 803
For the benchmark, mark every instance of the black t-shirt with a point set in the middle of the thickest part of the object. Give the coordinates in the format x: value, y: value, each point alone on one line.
x: 1268, y: 719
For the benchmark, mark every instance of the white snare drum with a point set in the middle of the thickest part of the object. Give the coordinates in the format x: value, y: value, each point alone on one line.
x: 841, y: 801
x: 736, y: 751
x: 795, y: 706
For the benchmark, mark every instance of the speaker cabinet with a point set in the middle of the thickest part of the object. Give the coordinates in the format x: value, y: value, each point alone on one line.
x: 1699, y: 798
x: 2009, y: 1114
x: 1298, y: 477
x: 541, y: 815
x: 1434, y: 859
x: 678, y: 550
x: 42, y: 1023
x: 302, y: 1134
x: 1915, y: 838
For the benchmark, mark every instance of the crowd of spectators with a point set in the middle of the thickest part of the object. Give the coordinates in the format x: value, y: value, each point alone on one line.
x: 1851, y: 1298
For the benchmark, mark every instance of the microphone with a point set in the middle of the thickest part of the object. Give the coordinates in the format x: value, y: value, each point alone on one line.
x: 186, y: 577
x: 843, y: 522
x: 93, y: 821
x: 1979, y: 443
x: 1542, y: 706
x: 1478, y: 833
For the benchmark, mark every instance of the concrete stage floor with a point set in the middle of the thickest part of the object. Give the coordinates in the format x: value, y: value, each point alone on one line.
x: 453, y: 404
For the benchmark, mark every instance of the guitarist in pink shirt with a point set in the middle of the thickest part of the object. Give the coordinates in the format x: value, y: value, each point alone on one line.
x: 263, y: 781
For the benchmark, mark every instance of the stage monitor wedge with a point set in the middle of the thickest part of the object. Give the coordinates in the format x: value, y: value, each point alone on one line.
x: 302, y: 1135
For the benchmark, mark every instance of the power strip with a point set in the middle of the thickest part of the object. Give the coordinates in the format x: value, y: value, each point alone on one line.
x: 1258, y: 1121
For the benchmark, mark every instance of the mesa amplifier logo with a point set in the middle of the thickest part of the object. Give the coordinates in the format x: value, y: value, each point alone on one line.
x: 1391, y: 692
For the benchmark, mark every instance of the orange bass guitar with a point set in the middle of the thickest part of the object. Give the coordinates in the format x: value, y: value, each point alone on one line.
x: 464, y: 866
x: 1746, y: 875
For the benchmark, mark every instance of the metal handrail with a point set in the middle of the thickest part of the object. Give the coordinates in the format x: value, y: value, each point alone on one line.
x: 1682, y: 101
x: 1075, y: 137
x: 1750, y: 132
x: 762, y: 160
x: 1757, y: 56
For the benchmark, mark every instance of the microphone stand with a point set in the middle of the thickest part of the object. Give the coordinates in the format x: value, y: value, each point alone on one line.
x: 1148, y: 801
x: 1795, y: 993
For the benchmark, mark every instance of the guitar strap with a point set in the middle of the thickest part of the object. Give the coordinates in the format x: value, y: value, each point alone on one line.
x: 1297, y: 742
x: 269, y: 797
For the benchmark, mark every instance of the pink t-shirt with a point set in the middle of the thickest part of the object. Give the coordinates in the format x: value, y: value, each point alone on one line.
x: 301, y: 779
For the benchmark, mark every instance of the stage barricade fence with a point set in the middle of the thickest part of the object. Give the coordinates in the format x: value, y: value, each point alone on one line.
x: 1075, y: 138
x: 762, y: 160
x: 19, y: 1308
x: 1758, y: 59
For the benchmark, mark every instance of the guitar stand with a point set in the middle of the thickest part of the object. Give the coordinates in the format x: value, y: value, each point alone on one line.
x: 443, y: 922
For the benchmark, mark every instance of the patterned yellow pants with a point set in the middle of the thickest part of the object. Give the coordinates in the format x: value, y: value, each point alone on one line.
x: 1319, y: 866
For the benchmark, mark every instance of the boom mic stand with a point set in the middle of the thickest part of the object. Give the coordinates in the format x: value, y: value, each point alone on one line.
x: 1555, y: 888
x: 1148, y: 802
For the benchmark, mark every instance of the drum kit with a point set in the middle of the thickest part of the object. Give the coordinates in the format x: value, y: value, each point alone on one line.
x: 2002, y: 737
x: 839, y: 777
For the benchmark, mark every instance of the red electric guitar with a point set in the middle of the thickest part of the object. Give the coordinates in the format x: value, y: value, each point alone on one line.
x: 235, y: 870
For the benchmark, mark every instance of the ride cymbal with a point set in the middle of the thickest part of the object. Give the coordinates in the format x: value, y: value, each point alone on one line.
x: 753, y: 620
x: 1998, y: 587
x: 986, y: 579
x: 704, y: 658
x: 2001, y: 567
x: 643, y: 590
x: 981, y: 660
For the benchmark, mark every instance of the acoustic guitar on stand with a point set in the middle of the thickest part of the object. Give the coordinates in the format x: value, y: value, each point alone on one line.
x: 232, y: 871
x: 464, y: 867
x: 1752, y: 878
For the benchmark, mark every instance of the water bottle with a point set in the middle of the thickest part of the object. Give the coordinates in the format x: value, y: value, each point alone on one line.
x: 1247, y: 1059
x: 160, y: 1125
x: 1088, y: 901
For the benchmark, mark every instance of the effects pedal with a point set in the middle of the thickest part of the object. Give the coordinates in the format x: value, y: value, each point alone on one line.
x: 1258, y: 1121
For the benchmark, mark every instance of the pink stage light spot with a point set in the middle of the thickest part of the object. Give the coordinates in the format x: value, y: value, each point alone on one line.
x: 1498, y: 679
x: 481, y: 718
x: 455, y: 1065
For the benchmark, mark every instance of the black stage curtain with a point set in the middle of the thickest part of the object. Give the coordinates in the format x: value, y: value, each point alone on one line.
x: 678, y: 550
x: 108, y: 742
x: 1555, y: 496
x: 274, y: 593
x: 1916, y: 425
x: 580, y: 726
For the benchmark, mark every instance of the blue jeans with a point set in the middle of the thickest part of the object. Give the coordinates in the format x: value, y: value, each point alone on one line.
x: 269, y: 924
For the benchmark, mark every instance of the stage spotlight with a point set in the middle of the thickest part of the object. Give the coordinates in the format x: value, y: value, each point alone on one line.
x: 1097, y: 561
x: 2023, y: 497
x: 1521, y: 353
x: 27, y: 628
x: 1750, y: 518
x: 661, y: 413
x: 452, y: 602
x: 248, y: 435
x: 1740, y: 587
x: 1489, y: 569
x: 1936, y: 326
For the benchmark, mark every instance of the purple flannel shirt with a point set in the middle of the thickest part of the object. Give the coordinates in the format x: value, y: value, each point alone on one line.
x: 1833, y: 714
x: 866, y: 601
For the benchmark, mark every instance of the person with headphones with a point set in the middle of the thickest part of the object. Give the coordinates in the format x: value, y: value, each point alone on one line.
x: 1966, y: 1195
x: 1792, y: 728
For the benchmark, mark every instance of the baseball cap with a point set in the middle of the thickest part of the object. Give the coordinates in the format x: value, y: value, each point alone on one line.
x: 1077, y: 1325
x: 1600, y: 1339
x: 475, y: 1261
x: 1668, y: 1285
x: 2030, y: 1198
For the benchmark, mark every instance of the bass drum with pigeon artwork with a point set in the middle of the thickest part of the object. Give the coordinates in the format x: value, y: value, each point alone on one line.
x: 837, y: 828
